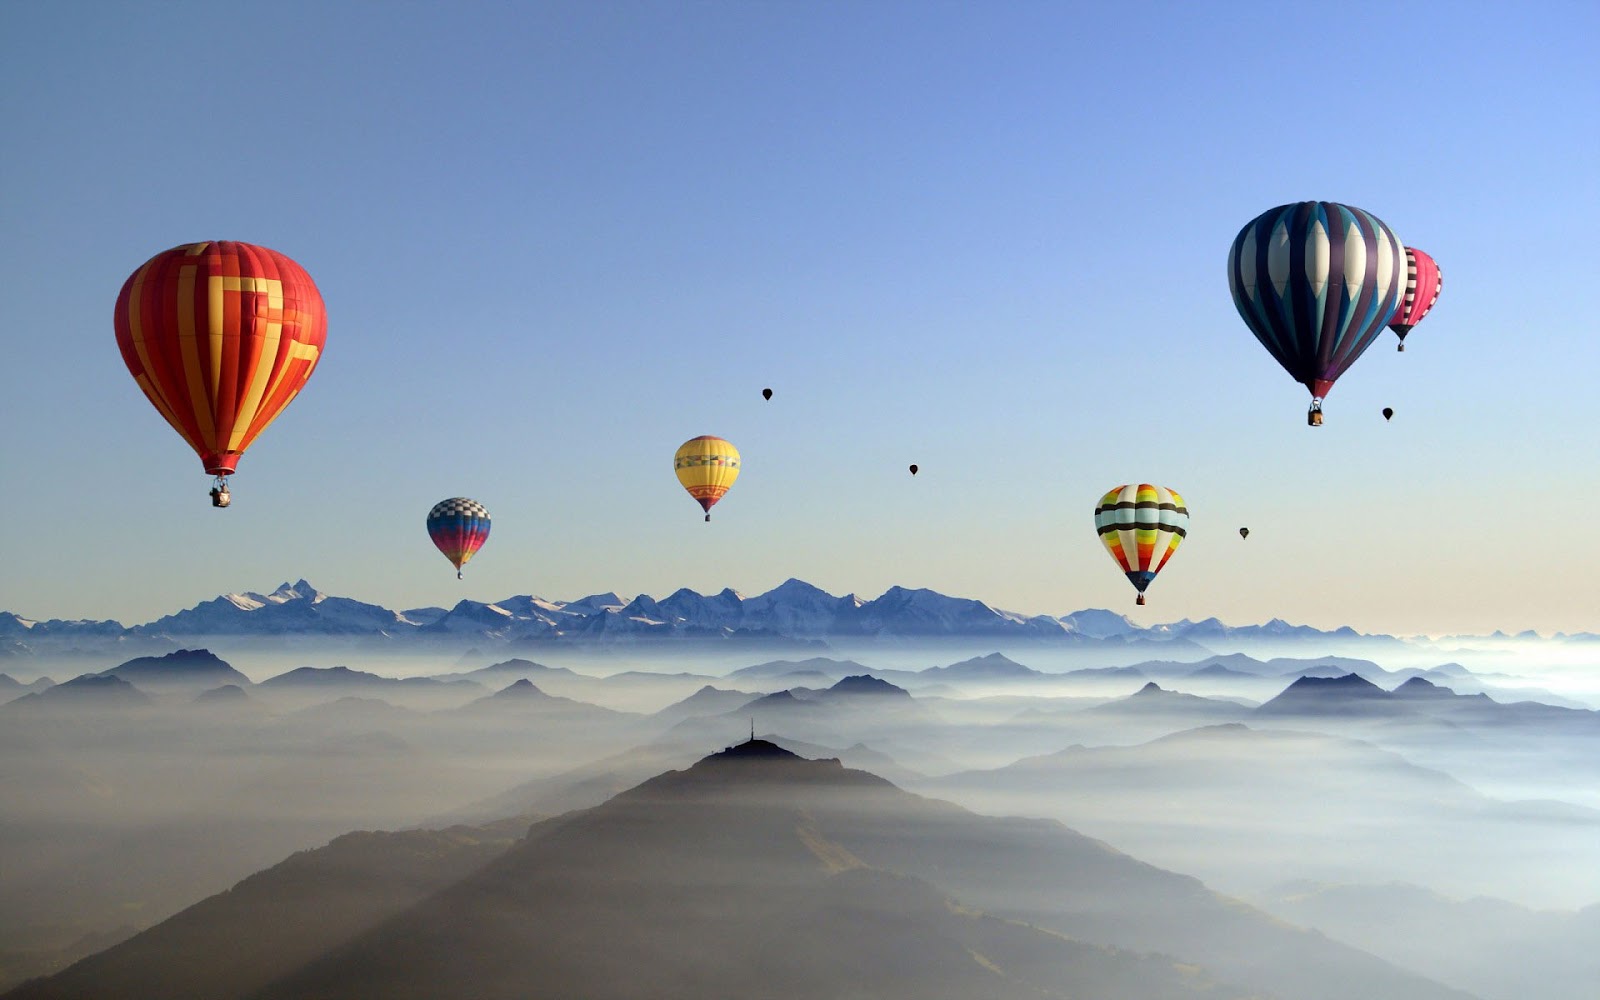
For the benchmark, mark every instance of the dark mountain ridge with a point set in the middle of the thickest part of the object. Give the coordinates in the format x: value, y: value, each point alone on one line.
x: 185, y: 670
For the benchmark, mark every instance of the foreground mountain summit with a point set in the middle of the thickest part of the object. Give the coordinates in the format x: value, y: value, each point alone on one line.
x: 754, y: 873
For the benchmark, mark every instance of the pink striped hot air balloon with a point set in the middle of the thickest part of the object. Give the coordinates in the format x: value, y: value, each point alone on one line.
x: 1423, y: 284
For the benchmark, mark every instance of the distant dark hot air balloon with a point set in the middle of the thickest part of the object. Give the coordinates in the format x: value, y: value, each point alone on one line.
x: 913, y: 470
x: 220, y: 337
x: 1316, y: 282
x: 1423, y: 284
x: 1387, y: 413
x: 1244, y: 532
x: 766, y: 393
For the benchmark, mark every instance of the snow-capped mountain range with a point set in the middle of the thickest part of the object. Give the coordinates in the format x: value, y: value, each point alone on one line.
x: 793, y: 612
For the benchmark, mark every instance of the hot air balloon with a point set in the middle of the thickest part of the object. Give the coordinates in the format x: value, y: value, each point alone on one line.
x: 1141, y: 526
x: 220, y: 337
x: 913, y: 470
x: 1316, y: 282
x: 459, y: 527
x: 707, y: 467
x: 1423, y: 284
x: 766, y: 393
x: 1387, y: 413
x: 1244, y: 532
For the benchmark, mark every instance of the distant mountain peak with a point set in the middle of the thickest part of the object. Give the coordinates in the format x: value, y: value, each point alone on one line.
x: 519, y: 689
x: 1418, y: 684
x: 867, y: 684
x: 299, y: 590
x: 795, y: 585
x: 1345, y: 684
x: 227, y: 694
x: 1315, y: 695
x: 182, y: 668
x: 752, y: 749
x: 992, y: 666
x: 1150, y: 688
x: 180, y: 659
x: 85, y: 689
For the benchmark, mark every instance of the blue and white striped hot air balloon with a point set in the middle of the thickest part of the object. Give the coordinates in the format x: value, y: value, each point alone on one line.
x: 1316, y: 282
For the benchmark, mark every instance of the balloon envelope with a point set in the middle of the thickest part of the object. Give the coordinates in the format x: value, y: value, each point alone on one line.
x: 1316, y: 282
x: 1141, y: 526
x: 1244, y: 532
x: 1424, y: 282
x: 1387, y: 413
x: 220, y: 337
x: 459, y: 527
x: 707, y: 467
x: 766, y: 393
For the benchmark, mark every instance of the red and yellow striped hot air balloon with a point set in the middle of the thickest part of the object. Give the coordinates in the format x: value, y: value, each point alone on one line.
x: 220, y: 336
x: 706, y: 466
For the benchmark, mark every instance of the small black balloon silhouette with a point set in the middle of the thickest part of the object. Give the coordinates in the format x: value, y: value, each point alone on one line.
x: 766, y: 393
x: 1387, y: 413
x: 913, y: 470
x: 1244, y: 532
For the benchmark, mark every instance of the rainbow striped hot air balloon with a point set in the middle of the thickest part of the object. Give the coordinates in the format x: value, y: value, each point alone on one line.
x: 459, y: 527
x: 1141, y: 526
x: 707, y: 467
x: 1424, y: 282
x: 220, y: 337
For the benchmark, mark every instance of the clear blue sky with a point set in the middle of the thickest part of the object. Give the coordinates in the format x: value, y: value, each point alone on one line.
x: 556, y: 240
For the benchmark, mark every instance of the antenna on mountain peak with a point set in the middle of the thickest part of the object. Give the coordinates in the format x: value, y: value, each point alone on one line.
x: 752, y: 729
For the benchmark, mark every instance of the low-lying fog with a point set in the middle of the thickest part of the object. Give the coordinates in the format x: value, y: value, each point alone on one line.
x: 1420, y: 783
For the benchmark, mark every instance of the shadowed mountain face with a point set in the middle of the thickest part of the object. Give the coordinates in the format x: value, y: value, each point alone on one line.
x: 758, y: 873
x: 719, y: 881
x: 1495, y: 949
x: 232, y: 944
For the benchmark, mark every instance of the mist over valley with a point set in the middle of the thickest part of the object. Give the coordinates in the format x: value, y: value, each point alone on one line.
x: 1280, y: 791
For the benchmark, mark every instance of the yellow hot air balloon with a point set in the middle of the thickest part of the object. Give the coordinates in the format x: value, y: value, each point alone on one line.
x: 706, y: 466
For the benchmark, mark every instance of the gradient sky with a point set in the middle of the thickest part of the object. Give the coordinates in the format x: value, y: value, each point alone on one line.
x: 556, y: 240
